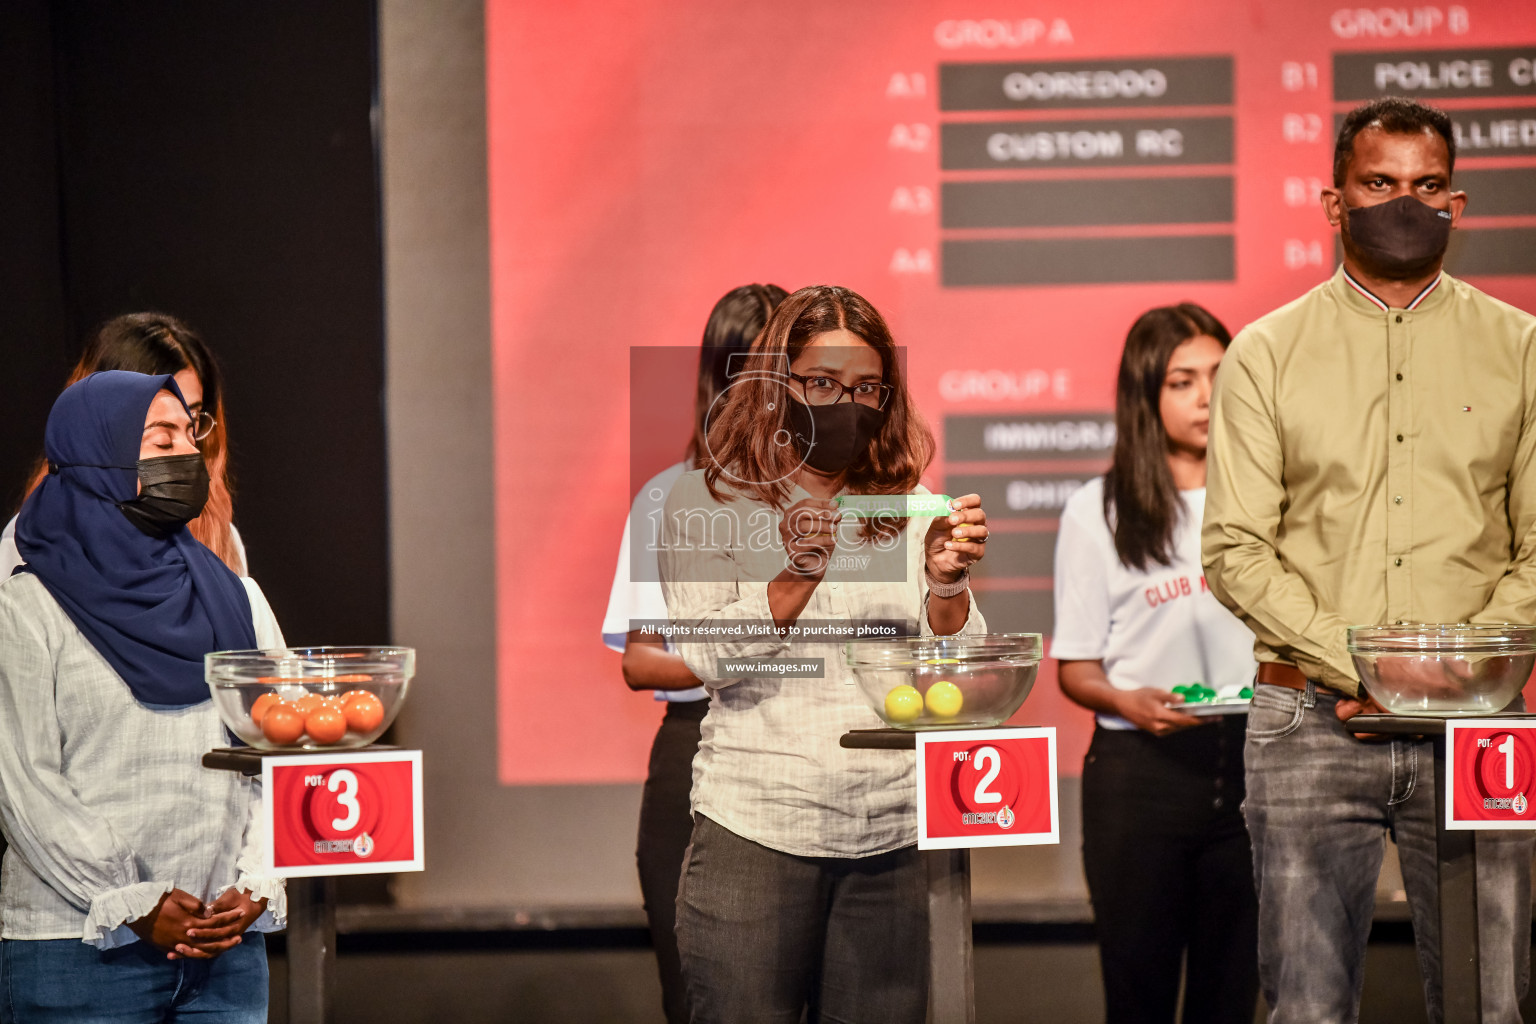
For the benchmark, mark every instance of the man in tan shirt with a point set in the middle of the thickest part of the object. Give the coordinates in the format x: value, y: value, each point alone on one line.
x: 1370, y: 455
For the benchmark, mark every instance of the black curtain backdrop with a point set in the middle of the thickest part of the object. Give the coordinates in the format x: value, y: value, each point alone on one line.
x: 216, y: 161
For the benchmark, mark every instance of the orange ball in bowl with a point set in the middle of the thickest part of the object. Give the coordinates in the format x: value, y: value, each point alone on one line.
x: 260, y: 704
x: 325, y: 724
x: 283, y: 723
x: 364, y: 712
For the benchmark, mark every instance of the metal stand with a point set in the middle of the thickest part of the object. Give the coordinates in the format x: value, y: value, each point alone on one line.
x: 1456, y: 853
x: 311, y: 949
x: 311, y: 911
x: 951, y: 971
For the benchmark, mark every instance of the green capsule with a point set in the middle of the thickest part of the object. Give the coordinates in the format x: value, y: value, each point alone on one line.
x: 1246, y: 693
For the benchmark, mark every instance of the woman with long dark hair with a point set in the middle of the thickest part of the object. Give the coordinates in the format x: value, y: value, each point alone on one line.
x: 1165, y: 850
x: 649, y: 662
x: 803, y: 886
x: 156, y: 343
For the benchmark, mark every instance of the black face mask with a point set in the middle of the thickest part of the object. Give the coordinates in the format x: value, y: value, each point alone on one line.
x: 172, y: 492
x: 833, y: 437
x: 1401, y: 238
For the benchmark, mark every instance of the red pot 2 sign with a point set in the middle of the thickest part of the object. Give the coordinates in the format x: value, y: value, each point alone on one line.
x: 987, y: 787
x: 342, y: 814
x: 1490, y: 773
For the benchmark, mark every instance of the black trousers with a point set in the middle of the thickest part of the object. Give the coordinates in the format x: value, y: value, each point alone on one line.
x: 1170, y: 873
x: 666, y: 824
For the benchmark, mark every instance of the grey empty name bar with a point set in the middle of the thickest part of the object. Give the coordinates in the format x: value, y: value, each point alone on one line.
x: 1019, y: 204
x: 1152, y: 141
x: 1499, y: 192
x: 1017, y: 611
x: 1061, y: 85
x: 1076, y: 437
x: 1475, y: 252
x: 1021, y: 553
x: 1017, y: 262
x: 1435, y: 73
x: 1492, y: 251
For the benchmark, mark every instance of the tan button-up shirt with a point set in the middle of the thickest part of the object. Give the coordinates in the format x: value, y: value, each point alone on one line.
x: 1369, y: 465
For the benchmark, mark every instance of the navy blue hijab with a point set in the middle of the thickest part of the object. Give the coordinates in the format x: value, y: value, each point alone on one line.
x: 152, y: 607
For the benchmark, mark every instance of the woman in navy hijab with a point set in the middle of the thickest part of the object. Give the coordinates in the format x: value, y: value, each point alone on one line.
x: 132, y: 886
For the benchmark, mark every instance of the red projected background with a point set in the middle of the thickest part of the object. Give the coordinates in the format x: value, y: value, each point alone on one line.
x: 1011, y: 186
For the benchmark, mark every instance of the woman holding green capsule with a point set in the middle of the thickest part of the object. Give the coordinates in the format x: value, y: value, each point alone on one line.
x: 803, y: 887
x: 1142, y: 642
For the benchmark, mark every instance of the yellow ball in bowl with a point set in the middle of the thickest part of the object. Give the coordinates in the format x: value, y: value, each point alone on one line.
x: 903, y: 704
x: 944, y: 699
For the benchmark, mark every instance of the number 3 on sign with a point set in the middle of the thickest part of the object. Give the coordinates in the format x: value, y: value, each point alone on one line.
x: 988, y: 787
x: 344, y: 784
x: 1490, y: 774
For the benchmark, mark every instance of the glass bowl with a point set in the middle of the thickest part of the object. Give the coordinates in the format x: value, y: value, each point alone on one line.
x: 945, y: 682
x: 365, y: 685
x: 1444, y: 670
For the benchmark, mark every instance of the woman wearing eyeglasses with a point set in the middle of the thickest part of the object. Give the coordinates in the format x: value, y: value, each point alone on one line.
x: 155, y: 343
x: 803, y: 885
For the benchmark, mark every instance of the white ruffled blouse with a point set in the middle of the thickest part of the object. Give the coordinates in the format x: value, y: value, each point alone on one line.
x: 104, y: 801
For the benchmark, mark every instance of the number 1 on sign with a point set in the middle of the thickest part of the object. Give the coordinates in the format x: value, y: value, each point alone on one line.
x: 1490, y: 773
x: 983, y: 794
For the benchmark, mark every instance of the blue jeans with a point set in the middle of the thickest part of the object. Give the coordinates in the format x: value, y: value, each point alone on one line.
x: 65, y: 981
x: 1320, y: 804
x: 765, y: 936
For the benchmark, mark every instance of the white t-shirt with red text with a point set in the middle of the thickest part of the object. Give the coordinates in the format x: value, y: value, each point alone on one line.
x: 1161, y: 628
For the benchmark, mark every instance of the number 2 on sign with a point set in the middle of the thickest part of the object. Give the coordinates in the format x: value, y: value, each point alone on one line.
x: 343, y: 783
x: 983, y: 794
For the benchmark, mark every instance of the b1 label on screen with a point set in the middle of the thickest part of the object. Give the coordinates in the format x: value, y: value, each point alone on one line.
x: 987, y: 787
x: 1490, y: 774
x: 342, y: 814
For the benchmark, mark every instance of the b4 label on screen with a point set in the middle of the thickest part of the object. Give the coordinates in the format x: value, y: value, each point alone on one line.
x: 1490, y: 774
x: 987, y: 787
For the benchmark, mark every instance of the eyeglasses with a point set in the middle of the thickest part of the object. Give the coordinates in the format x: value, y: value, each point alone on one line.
x: 826, y: 391
x: 202, y: 426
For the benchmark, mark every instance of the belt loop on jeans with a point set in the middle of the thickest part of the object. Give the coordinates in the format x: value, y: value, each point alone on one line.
x: 1309, y: 695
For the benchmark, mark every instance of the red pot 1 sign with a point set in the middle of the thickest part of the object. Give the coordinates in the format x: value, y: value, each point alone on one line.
x: 1490, y: 774
x: 986, y: 787
x: 342, y: 814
